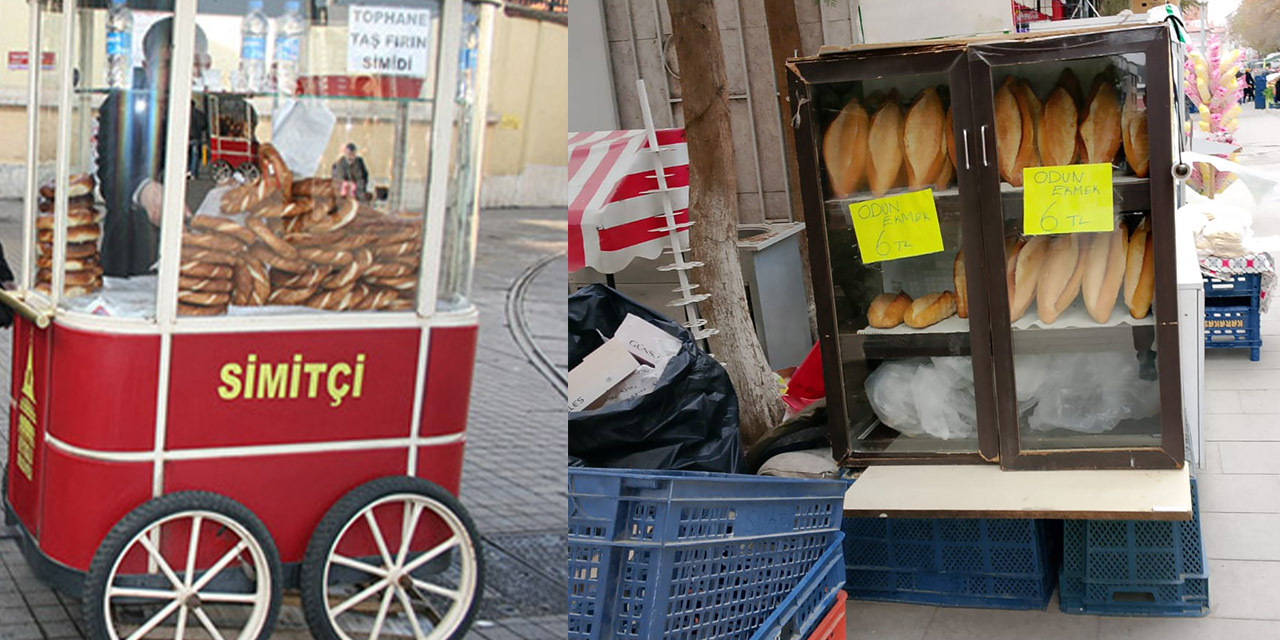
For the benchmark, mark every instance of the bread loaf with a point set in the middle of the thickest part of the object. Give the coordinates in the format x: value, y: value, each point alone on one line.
x: 185, y: 309
x: 923, y: 139
x: 1060, y: 277
x: 1133, y: 130
x: 1008, y: 132
x: 962, y: 287
x: 77, y: 234
x: 77, y: 217
x: 844, y: 149
x: 1029, y: 109
x: 1100, y: 127
x: 930, y: 309
x: 197, y: 269
x: 888, y: 309
x: 1012, y: 248
x: 948, y: 169
x: 884, y: 145
x: 1139, y: 273
x: 204, y: 298
x: 1104, y: 266
x: 1058, y: 129
x: 290, y: 296
x: 213, y: 241
x: 1026, y: 275
x: 205, y: 284
x: 218, y: 224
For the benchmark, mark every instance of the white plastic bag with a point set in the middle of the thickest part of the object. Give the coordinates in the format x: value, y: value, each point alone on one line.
x: 1084, y: 392
x: 925, y: 397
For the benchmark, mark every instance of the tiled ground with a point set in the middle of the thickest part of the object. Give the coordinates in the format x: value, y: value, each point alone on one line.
x: 513, y: 477
x: 1239, y: 498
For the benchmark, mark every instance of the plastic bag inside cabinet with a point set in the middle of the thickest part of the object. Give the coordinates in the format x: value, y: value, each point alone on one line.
x: 930, y: 397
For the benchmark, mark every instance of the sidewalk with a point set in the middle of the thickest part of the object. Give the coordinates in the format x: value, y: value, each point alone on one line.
x: 513, y: 477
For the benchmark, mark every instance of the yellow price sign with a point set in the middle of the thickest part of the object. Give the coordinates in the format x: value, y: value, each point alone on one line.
x: 896, y: 227
x: 1071, y: 199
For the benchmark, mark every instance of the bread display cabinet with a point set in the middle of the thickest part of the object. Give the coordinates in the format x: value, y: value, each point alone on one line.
x: 992, y: 235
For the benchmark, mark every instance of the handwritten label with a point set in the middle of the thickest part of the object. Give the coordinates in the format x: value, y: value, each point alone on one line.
x: 896, y: 227
x: 1070, y: 199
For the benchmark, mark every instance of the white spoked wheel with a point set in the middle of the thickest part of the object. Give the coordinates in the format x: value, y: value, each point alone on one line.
x: 222, y: 173
x: 395, y: 558
x: 249, y: 171
x: 184, y: 566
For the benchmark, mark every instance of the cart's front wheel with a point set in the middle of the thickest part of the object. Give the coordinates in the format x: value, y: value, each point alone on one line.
x: 185, y: 565
x: 249, y: 171
x: 397, y: 557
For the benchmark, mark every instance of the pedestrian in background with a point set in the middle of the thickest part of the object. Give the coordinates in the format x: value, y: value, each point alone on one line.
x: 350, y: 177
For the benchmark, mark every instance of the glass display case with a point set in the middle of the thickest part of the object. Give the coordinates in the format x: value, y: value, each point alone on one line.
x: 992, y: 236
x: 307, y: 159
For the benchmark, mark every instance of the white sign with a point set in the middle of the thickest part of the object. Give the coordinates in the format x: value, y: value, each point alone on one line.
x: 388, y: 40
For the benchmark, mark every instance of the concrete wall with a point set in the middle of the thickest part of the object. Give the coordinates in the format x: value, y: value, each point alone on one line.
x: 525, y: 156
x: 592, y: 105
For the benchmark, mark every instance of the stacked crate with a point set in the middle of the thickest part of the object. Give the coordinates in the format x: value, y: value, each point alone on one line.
x: 1231, y: 319
x: 1127, y: 568
x: 971, y: 562
x: 683, y: 555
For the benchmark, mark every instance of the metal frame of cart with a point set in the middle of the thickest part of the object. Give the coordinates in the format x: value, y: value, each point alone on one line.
x: 129, y: 483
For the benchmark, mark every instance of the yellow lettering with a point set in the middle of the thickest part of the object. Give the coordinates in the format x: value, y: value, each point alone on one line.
x: 357, y: 383
x: 27, y: 408
x: 315, y: 370
x: 280, y: 380
x: 230, y: 387
x: 248, y: 376
x: 272, y: 380
x: 338, y: 391
x: 295, y: 375
x: 26, y: 428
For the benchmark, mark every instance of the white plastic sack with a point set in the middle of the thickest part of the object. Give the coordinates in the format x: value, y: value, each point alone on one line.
x: 926, y: 397
x: 815, y: 463
x: 1084, y: 392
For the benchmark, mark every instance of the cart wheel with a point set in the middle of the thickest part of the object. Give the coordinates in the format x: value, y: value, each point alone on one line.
x: 153, y: 578
x: 368, y: 575
x: 249, y: 171
x: 221, y: 172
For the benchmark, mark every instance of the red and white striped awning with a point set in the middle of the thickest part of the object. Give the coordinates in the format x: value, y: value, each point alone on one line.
x: 615, y: 208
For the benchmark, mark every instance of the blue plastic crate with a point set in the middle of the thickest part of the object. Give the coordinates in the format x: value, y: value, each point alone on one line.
x: 991, y: 563
x: 1240, y: 286
x: 810, y: 601
x: 1135, y: 567
x: 1233, y: 327
x: 1187, y: 598
x: 676, y: 555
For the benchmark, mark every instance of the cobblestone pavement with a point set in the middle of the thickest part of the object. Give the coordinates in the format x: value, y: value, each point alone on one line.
x: 513, y: 477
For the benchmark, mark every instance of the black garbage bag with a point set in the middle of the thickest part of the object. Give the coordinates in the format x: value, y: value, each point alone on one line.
x: 689, y: 422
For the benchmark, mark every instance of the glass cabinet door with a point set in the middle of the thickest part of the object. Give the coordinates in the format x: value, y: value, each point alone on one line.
x: 896, y: 254
x: 1078, y: 219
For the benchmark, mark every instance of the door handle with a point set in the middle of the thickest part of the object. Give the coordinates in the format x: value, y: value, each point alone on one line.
x: 983, y: 137
x: 965, y: 132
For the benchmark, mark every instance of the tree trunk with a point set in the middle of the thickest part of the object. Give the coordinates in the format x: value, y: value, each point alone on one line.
x: 784, y: 42
x: 713, y: 204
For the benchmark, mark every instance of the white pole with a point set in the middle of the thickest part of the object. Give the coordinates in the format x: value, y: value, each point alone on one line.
x: 687, y: 298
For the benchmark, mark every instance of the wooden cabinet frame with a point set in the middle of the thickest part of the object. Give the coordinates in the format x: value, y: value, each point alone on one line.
x: 969, y: 66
